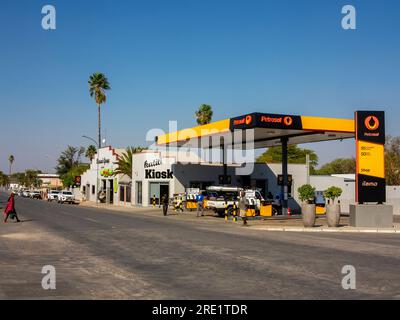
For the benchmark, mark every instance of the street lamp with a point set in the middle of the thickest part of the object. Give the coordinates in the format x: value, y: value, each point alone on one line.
x: 97, y: 166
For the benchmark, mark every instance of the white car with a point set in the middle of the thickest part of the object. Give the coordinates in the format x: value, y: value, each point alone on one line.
x: 53, y: 195
x: 35, y: 194
x: 25, y: 193
x: 66, y: 196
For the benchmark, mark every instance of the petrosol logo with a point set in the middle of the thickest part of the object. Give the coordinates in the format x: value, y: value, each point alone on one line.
x: 246, y: 120
x: 288, y: 121
x: 371, y: 123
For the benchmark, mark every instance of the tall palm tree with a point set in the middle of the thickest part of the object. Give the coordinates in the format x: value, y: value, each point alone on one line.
x: 124, y: 163
x: 11, y: 160
x: 204, y: 114
x: 98, y: 84
x: 90, y: 152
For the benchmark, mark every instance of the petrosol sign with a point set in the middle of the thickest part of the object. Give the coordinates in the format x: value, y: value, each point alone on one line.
x: 370, y: 155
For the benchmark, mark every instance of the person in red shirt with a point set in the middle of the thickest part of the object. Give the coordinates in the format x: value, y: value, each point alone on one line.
x: 10, y: 209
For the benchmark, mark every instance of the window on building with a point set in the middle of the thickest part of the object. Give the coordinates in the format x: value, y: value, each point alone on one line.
x: 128, y: 193
x: 221, y: 179
x: 139, y: 199
x: 122, y: 193
x: 93, y: 189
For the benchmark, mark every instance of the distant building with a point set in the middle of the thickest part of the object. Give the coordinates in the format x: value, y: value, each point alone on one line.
x: 50, y: 180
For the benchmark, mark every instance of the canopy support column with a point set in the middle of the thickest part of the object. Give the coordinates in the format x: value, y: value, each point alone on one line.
x: 284, y: 187
x: 224, y: 163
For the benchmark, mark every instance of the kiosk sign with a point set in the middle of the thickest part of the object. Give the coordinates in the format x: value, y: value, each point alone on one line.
x: 370, y: 156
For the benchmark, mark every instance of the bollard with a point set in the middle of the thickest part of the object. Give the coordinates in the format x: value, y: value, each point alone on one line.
x: 226, y: 211
x: 234, y: 212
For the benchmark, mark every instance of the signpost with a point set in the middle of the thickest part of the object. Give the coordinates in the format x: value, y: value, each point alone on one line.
x: 370, y: 210
x: 370, y: 157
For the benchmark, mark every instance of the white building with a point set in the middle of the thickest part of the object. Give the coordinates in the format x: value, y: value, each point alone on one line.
x: 155, y: 174
x: 116, y: 188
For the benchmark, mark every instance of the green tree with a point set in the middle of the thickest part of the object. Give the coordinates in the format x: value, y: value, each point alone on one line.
x: 306, y: 193
x: 392, y: 161
x: 296, y: 155
x: 19, y: 177
x: 11, y: 161
x: 68, y: 178
x: 4, y: 180
x: 124, y: 162
x: 338, y: 166
x: 91, y: 152
x: 31, y: 178
x: 98, y: 84
x: 68, y: 159
x: 204, y: 114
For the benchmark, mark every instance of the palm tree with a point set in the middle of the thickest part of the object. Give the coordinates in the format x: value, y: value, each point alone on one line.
x: 124, y: 162
x: 204, y: 114
x: 98, y: 84
x: 11, y: 160
x: 90, y: 152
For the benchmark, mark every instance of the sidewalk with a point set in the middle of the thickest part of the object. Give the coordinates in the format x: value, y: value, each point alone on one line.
x: 291, y: 224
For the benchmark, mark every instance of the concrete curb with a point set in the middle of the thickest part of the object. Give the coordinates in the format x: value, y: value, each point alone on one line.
x: 328, y: 230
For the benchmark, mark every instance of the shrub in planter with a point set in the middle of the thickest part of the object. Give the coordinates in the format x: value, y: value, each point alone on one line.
x: 307, y: 197
x: 332, y: 208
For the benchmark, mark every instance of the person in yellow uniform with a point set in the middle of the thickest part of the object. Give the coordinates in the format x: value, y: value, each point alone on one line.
x: 243, y: 207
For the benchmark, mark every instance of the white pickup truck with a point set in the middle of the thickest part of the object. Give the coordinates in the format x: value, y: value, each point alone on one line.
x: 66, y: 196
x: 53, y: 195
x: 221, y: 197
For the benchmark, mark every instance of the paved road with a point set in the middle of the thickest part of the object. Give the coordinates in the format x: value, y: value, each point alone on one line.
x: 102, y: 254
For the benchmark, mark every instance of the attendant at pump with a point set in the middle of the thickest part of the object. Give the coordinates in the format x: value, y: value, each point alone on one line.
x: 243, y: 207
x: 200, y: 204
x: 10, y: 209
x: 165, y: 202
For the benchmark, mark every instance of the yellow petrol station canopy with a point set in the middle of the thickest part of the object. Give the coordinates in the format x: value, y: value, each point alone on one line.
x: 264, y: 129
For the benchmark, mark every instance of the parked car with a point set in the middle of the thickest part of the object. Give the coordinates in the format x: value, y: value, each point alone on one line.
x: 35, y: 195
x: 66, y: 196
x: 26, y: 193
x: 53, y: 195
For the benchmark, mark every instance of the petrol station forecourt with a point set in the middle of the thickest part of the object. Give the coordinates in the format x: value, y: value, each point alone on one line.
x: 267, y: 130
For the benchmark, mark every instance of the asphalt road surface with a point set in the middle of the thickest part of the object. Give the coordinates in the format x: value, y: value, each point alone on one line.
x: 102, y: 254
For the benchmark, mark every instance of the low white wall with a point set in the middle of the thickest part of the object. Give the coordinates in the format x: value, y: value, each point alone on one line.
x: 322, y: 183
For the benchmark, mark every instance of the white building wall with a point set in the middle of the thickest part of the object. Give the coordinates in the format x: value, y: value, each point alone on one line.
x: 321, y: 183
x: 143, y: 161
x: 184, y: 174
x: 393, y: 198
x: 108, y: 158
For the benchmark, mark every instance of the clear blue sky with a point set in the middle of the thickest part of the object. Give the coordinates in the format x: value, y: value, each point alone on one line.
x: 164, y: 58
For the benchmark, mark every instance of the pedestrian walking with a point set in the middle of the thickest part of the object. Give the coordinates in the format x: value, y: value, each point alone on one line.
x: 165, y: 202
x: 243, y: 207
x: 200, y: 204
x: 9, y: 211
